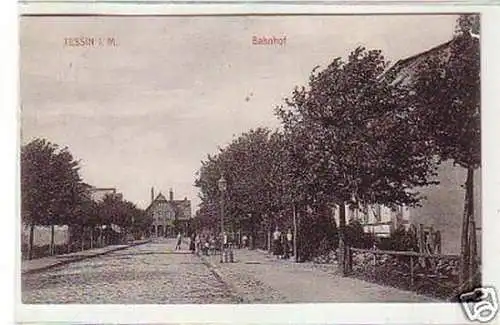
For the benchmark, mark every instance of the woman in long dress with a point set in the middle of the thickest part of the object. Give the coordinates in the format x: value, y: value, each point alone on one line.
x: 192, y: 245
x: 179, y: 242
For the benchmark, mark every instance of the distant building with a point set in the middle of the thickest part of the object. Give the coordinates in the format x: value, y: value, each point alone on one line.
x: 169, y: 216
x: 98, y: 194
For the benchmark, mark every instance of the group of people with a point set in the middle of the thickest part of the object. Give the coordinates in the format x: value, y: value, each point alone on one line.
x: 207, y: 244
x: 282, y: 244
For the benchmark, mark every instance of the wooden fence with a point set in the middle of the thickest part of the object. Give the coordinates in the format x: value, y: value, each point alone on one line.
x: 423, y: 267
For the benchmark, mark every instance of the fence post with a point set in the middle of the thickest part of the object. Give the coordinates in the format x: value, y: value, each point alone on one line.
x: 349, y: 260
x: 421, y: 239
x: 411, y: 272
x: 438, y: 241
x: 269, y: 245
x: 346, y: 260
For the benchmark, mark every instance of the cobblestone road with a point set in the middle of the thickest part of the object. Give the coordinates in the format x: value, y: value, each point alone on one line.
x: 152, y: 274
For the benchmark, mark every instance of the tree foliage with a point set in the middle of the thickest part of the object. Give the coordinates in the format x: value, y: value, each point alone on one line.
x: 113, y: 209
x: 347, y: 131
x: 50, y: 183
x: 251, y: 164
x: 353, y: 136
x: 447, y: 113
x: 340, y: 144
x: 447, y: 98
x: 53, y: 193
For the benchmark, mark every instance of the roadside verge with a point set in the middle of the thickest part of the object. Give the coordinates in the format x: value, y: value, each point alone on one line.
x: 232, y: 289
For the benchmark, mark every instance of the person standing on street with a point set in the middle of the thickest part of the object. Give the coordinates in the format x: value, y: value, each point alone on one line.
x: 225, y: 240
x: 192, y: 243
x: 277, y: 243
x: 179, y: 242
x: 245, y: 241
x: 213, y: 245
x: 206, y: 246
x: 286, y: 250
x: 198, y: 243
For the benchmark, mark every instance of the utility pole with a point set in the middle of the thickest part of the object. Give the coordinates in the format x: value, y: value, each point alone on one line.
x: 222, y: 184
x: 222, y: 227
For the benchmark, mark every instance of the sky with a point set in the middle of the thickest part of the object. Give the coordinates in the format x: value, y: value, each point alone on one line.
x: 145, y: 112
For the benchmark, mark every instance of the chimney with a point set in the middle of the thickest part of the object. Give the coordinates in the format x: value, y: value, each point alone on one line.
x: 152, y: 194
x: 171, y: 194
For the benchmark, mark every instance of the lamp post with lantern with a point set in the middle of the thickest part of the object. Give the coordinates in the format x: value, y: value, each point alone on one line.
x: 222, y: 184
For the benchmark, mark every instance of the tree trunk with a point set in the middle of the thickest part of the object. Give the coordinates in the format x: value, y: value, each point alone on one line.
x: 269, y: 241
x: 70, y: 238
x: 32, y: 235
x: 473, y: 270
x: 52, y: 240
x: 295, y: 232
x: 465, y: 261
x: 91, y: 237
x: 342, y: 244
x: 83, y: 238
x: 253, y: 231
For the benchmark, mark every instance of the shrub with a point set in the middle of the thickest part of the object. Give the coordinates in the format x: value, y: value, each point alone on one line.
x: 400, y: 240
x: 318, y: 236
x: 355, y: 235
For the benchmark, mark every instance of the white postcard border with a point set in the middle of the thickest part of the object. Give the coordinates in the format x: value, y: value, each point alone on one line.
x: 398, y: 313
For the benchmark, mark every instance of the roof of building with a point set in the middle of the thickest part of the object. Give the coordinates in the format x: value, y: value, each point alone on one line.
x: 97, y: 193
x: 401, y: 71
x: 182, y: 208
x: 432, y: 51
x: 160, y: 198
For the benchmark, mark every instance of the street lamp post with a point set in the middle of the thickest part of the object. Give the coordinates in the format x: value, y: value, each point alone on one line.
x: 222, y: 183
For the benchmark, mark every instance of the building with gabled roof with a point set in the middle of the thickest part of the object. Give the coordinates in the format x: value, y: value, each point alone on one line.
x: 169, y: 216
x: 443, y: 204
x: 442, y: 208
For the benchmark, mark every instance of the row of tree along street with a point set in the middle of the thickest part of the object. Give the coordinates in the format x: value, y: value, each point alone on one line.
x: 53, y: 193
x: 352, y: 136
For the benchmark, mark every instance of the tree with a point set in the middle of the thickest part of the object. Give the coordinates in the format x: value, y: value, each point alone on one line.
x: 251, y: 166
x: 141, y: 222
x: 348, y: 133
x: 85, y: 214
x: 49, y: 182
x: 115, y: 210
x: 318, y: 233
x: 447, y: 113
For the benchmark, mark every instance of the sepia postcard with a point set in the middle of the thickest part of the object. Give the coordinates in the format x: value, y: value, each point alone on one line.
x: 313, y: 166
